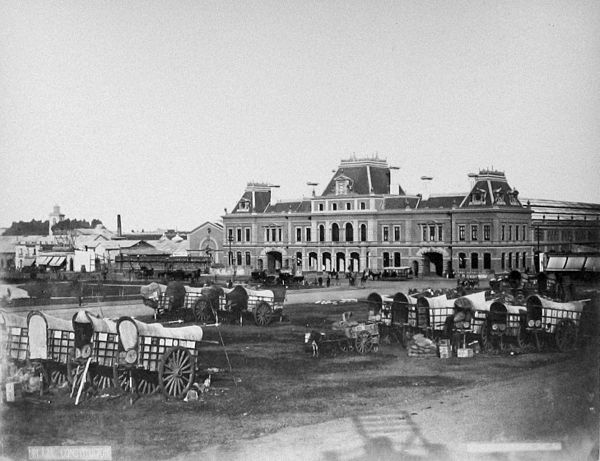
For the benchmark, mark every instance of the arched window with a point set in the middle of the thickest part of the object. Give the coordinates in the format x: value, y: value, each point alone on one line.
x: 386, y: 259
x: 474, y: 261
x: 321, y: 233
x: 335, y: 232
x: 487, y: 261
x: 349, y: 232
x: 363, y: 232
x: 462, y: 261
x: 312, y: 261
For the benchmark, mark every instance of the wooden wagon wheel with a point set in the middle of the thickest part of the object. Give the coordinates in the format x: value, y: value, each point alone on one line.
x: 125, y: 379
x: 58, y: 377
x: 565, y: 335
x: 484, y: 337
x: 363, y: 343
x: 176, y: 372
x: 262, y: 314
x: 520, y: 338
x: 203, y: 312
x: 81, y: 379
x: 121, y: 379
x: 145, y: 382
x: 344, y: 345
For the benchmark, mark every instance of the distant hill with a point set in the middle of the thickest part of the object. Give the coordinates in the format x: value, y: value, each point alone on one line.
x: 35, y: 227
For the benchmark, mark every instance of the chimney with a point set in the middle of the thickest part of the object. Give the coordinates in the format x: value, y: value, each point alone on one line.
x: 472, y: 180
x: 426, y: 187
x: 274, y: 197
x: 119, y: 230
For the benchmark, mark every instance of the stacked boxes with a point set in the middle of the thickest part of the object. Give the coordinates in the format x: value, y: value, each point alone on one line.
x: 445, y: 350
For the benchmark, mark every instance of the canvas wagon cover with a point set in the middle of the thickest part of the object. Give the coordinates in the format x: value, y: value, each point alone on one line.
x: 438, y: 301
x: 268, y: 294
x: 129, y: 337
x: 9, y: 320
x: 153, y: 291
x: 511, y: 309
x: 38, y: 326
x: 574, y: 306
x: 474, y: 301
x: 99, y: 324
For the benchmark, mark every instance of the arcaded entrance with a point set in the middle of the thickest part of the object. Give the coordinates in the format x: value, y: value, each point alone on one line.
x: 433, y: 263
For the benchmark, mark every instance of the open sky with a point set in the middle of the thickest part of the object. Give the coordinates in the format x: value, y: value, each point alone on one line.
x: 162, y: 111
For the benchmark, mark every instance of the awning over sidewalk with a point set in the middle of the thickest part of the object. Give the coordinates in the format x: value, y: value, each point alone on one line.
x: 556, y: 263
x: 573, y: 264
x: 592, y: 264
x: 43, y: 260
x: 57, y: 261
x: 28, y: 262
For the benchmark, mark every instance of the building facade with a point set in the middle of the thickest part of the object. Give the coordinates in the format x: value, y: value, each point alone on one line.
x: 359, y: 223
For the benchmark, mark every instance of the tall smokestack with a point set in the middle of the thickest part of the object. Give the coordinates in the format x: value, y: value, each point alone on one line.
x: 119, y: 230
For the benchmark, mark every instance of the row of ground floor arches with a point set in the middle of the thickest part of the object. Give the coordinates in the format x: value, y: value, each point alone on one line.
x: 423, y: 261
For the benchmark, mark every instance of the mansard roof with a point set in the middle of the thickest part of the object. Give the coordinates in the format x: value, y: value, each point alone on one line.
x: 302, y: 206
x: 491, y: 189
x: 256, y: 201
x: 366, y: 177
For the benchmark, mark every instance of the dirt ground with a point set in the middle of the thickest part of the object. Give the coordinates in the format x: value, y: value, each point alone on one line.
x: 273, y: 400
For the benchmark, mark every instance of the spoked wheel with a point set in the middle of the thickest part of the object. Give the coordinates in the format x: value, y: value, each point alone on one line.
x: 81, y: 380
x: 56, y: 374
x: 203, y: 312
x: 146, y: 383
x: 124, y: 379
x: 520, y: 339
x: 262, y: 314
x: 176, y: 372
x: 565, y: 335
x: 102, y: 378
x: 484, y: 338
x: 344, y: 345
x: 363, y: 343
x: 58, y: 378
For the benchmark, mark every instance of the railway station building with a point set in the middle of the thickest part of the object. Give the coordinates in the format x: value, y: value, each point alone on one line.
x: 361, y: 222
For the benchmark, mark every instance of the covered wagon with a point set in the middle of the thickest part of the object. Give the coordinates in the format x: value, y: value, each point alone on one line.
x: 264, y: 305
x: 51, y: 341
x: 503, y: 322
x: 95, y: 349
x: 14, y: 340
x: 431, y: 314
x: 151, y: 355
x: 554, y: 322
x: 395, y: 315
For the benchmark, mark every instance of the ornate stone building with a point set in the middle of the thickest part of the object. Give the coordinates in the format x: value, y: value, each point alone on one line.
x: 359, y: 223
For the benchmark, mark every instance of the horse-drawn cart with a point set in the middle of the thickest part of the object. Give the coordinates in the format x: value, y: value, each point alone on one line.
x: 345, y: 336
x: 212, y: 303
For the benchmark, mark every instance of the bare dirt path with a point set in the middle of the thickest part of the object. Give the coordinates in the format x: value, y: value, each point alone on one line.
x: 549, y: 410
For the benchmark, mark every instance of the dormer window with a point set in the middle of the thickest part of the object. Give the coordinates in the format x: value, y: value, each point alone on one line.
x: 513, y: 199
x: 500, y: 199
x: 478, y: 197
x: 343, y: 185
x: 244, y: 205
